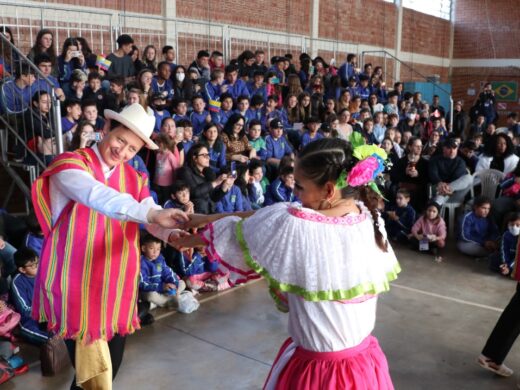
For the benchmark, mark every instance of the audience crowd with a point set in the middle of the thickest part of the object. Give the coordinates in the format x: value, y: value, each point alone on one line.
x: 228, y: 136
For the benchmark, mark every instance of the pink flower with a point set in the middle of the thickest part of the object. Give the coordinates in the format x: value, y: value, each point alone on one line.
x: 363, y: 172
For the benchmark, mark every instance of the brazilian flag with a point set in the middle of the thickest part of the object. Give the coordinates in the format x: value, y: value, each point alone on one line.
x: 505, y: 91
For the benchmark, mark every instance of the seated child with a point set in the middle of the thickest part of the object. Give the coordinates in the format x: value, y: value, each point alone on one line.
x: 199, y: 116
x: 180, y: 198
x: 180, y: 109
x: 69, y: 122
x: 277, y: 147
x: 94, y: 91
x: 429, y: 232
x: 478, y: 233
x: 89, y: 112
x: 221, y: 116
x: 504, y: 260
x: 187, y: 129
x: 256, y: 140
x: 282, y: 189
x: 158, y: 105
x: 34, y: 238
x: 400, y: 218
x: 200, y: 273
x: 311, y: 133
x: 232, y: 200
x: 22, y: 290
x: 158, y: 284
x: 259, y: 184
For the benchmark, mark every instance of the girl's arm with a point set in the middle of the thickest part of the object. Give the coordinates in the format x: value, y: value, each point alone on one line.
x: 199, y: 220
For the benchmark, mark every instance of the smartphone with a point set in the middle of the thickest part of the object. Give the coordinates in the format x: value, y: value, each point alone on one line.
x: 275, y: 80
x: 76, y: 53
x: 311, y: 69
x: 95, y: 137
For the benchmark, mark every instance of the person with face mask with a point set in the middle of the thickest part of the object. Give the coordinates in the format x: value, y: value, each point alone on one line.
x: 160, y: 112
x: 504, y: 262
x: 182, y: 84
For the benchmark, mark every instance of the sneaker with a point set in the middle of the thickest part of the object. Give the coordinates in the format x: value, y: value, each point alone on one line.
x: 438, y: 259
x: 499, y: 369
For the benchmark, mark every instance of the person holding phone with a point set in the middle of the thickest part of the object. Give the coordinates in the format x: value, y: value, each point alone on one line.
x: 71, y: 58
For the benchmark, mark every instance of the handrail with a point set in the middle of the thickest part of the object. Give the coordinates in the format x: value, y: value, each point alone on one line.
x: 406, y: 65
x: 56, y: 102
x: 416, y: 71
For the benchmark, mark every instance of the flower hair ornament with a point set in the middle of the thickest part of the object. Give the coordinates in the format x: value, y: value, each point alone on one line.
x: 371, y: 164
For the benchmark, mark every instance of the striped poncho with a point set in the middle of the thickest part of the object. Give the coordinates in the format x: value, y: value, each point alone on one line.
x: 87, y: 282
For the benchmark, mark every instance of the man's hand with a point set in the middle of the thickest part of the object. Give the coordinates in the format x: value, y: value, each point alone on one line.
x: 167, y: 218
x: 504, y: 269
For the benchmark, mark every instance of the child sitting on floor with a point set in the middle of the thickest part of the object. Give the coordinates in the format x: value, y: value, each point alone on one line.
x: 478, y: 233
x: 22, y: 290
x: 158, y: 284
x: 429, y: 232
x: 400, y: 218
x: 504, y: 261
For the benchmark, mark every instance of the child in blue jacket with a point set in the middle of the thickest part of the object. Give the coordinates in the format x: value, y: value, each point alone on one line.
x: 22, y: 290
x: 478, y: 233
x: 158, y: 283
x: 281, y: 189
x: 505, y: 259
x: 400, y: 218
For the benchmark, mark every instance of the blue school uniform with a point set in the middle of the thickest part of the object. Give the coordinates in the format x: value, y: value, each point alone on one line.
x: 198, y: 264
x: 217, y: 158
x: 261, y: 91
x: 508, y: 249
x: 278, y: 192
x: 159, y: 118
x: 231, y: 202
x: 67, y: 125
x: 167, y: 87
x: 399, y: 230
x: 22, y: 290
x: 477, y: 229
x: 277, y: 148
x: 346, y: 71
x: 211, y: 92
x: 187, y: 146
x: 306, y: 138
x: 155, y: 274
x: 138, y: 164
x: 248, y: 115
x: 363, y: 93
x: 34, y: 242
x: 177, y: 117
x: 220, y: 118
x: 198, y: 121
x: 173, y: 204
x: 237, y: 89
x: 14, y: 98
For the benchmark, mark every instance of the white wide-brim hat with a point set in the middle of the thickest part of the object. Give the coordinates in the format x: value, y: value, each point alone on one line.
x: 136, y: 119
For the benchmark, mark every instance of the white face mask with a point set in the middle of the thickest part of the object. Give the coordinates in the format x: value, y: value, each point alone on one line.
x: 514, y: 230
x: 180, y: 77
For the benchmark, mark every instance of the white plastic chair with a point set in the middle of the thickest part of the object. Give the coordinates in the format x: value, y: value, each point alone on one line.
x: 489, y: 179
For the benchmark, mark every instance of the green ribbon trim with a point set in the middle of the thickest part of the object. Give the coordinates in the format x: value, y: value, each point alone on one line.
x: 325, y: 295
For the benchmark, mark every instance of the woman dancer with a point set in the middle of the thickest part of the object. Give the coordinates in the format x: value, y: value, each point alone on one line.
x: 325, y: 262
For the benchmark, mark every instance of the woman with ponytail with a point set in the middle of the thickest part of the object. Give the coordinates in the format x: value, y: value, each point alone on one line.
x: 325, y: 261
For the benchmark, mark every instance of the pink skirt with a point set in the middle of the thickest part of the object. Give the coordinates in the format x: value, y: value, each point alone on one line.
x: 363, y: 367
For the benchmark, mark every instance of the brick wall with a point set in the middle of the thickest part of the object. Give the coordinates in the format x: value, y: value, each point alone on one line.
x: 153, y: 7
x: 487, y: 29
x: 282, y: 15
x: 425, y: 34
x: 369, y: 22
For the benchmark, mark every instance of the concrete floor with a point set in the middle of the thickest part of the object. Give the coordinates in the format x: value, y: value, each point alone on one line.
x: 431, y: 325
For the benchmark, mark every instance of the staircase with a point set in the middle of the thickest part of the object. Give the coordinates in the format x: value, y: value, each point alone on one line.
x: 22, y: 124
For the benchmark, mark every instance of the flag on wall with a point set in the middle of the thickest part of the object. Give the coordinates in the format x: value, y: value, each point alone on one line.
x: 505, y: 91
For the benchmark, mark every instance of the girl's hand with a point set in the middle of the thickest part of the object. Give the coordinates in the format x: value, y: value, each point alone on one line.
x: 419, y: 237
x: 68, y: 55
